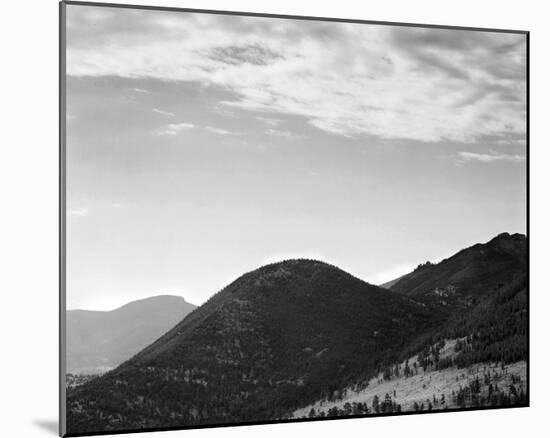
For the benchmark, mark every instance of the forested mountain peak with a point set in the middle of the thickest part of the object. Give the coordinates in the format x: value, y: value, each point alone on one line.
x: 289, y: 333
x: 275, y: 337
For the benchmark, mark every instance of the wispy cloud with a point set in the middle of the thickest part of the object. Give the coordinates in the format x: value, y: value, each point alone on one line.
x: 220, y: 131
x: 174, y: 128
x: 141, y: 90
x: 162, y: 112
x: 271, y: 121
x: 490, y: 158
x: 346, y: 79
x: 512, y: 142
x: 279, y: 133
x: 79, y: 212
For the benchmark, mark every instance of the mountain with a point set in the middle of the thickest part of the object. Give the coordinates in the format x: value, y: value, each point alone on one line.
x: 476, y: 358
x: 481, y: 294
x: 272, y: 340
x: 301, y: 333
x: 101, y: 340
x: 467, y: 275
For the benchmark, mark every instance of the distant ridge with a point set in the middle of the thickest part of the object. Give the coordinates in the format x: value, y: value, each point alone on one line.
x: 389, y: 284
x: 100, y: 340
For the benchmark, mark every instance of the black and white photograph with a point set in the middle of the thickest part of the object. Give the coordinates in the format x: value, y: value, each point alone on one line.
x: 270, y: 219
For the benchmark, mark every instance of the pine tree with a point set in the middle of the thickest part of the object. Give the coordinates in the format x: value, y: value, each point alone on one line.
x: 376, y: 404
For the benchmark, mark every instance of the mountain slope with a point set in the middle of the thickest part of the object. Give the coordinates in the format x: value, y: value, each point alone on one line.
x: 478, y: 357
x: 101, y: 340
x: 287, y: 335
x: 389, y: 284
x: 272, y: 340
x: 468, y: 274
x: 481, y: 293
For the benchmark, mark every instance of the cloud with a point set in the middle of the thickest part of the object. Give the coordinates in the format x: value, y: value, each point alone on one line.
x: 512, y: 142
x: 490, y: 158
x: 269, y: 121
x: 141, y: 90
x: 79, y: 212
x: 116, y: 205
x: 162, y: 112
x: 174, y: 128
x: 279, y: 133
x: 219, y: 131
x: 252, y: 54
x: 346, y: 79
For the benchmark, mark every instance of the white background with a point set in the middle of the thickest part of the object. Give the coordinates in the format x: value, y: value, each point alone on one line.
x: 29, y: 202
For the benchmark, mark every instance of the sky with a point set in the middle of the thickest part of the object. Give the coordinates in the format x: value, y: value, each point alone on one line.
x: 202, y: 146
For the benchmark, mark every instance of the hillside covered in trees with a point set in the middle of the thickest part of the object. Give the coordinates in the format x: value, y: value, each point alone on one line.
x: 288, y: 335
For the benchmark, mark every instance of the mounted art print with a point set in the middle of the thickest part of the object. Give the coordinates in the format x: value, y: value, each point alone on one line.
x: 274, y: 219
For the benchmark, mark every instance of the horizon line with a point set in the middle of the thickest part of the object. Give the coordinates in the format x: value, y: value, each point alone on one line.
x: 378, y: 284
